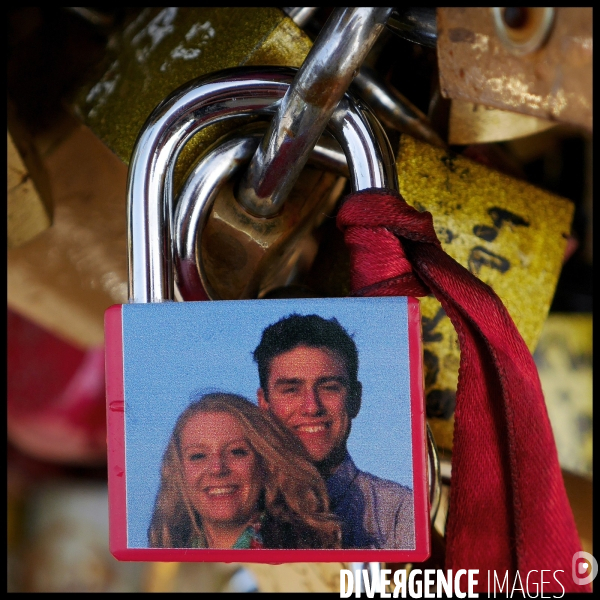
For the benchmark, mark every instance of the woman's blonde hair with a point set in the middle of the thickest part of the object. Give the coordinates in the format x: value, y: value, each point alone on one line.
x: 294, y: 499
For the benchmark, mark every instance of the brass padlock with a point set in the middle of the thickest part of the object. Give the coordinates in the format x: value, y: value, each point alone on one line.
x: 164, y: 48
x: 246, y: 256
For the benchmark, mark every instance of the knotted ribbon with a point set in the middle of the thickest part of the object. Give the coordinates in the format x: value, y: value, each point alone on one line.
x: 508, y: 509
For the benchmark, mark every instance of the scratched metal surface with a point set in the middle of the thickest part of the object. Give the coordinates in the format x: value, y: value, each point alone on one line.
x: 509, y: 233
x: 165, y: 48
x: 554, y: 82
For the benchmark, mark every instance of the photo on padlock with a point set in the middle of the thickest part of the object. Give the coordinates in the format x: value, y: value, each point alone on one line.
x: 267, y: 431
x: 209, y: 458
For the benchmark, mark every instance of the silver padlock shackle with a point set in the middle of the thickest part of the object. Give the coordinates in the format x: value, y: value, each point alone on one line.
x: 325, y: 75
x: 222, y: 162
x: 225, y: 159
x: 205, y: 101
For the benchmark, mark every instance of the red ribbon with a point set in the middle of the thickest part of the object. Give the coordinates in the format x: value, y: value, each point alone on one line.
x: 508, y: 510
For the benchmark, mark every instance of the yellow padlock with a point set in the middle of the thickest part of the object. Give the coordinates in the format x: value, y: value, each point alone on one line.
x: 167, y: 47
x: 509, y: 233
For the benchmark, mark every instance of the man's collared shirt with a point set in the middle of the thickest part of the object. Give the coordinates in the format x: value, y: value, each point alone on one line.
x: 374, y: 512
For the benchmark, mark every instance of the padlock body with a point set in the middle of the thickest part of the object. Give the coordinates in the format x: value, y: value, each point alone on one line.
x: 164, y: 359
x: 247, y: 256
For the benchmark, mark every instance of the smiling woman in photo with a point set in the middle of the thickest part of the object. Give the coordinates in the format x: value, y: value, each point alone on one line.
x: 232, y: 478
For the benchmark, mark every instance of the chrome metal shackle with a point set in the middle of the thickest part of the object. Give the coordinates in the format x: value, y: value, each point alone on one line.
x: 366, y: 149
x: 236, y: 92
x: 224, y: 161
x: 326, y: 73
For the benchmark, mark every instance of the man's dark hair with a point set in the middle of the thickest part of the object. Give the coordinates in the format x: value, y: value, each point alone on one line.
x: 305, y: 330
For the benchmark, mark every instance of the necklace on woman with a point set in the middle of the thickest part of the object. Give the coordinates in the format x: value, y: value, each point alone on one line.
x: 251, y: 537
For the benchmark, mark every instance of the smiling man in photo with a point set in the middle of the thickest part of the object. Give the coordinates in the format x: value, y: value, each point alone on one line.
x: 308, y: 371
